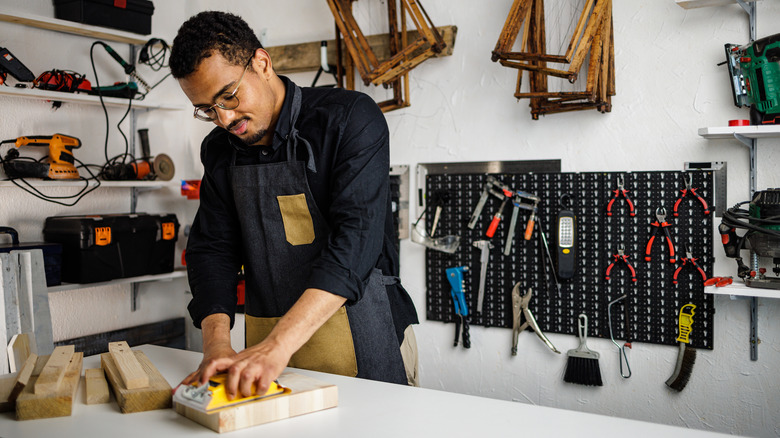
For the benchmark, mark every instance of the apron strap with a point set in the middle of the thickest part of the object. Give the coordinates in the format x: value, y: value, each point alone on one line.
x: 294, y: 137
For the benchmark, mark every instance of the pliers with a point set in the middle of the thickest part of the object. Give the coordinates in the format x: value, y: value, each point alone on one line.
x: 620, y: 191
x: 621, y: 256
x: 688, y: 258
x: 519, y: 310
x: 455, y: 277
x: 660, y: 224
x: 689, y: 189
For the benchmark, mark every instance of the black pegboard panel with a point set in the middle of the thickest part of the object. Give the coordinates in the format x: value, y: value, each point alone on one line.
x: 653, y: 301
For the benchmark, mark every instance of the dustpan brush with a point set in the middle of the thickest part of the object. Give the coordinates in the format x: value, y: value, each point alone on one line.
x: 582, y: 366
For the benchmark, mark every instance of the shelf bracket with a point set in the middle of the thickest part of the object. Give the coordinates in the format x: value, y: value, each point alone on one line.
x: 751, y: 144
x: 750, y: 9
x: 134, y: 297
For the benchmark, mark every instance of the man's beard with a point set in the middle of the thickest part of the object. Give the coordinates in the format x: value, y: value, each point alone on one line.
x: 254, y: 138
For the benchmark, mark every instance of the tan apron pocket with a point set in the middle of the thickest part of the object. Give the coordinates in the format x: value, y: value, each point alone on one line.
x: 298, y: 226
x: 330, y: 349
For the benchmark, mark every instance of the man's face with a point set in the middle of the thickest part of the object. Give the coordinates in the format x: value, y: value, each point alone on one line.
x: 254, y: 118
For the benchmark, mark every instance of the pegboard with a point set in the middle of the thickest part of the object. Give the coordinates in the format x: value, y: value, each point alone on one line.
x: 653, y: 301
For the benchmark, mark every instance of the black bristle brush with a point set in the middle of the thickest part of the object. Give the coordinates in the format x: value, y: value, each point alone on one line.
x: 686, y: 355
x: 582, y: 366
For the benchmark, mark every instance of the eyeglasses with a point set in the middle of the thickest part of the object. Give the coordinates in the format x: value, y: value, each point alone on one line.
x: 225, y: 101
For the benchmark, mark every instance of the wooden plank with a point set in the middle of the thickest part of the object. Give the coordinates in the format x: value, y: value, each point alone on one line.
x: 156, y: 396
x: 96, y: 386
x: 23, y: 378
x: 31, y: 406
x: 54, y: 370
x: 129, y: 368
x: 295, y: 58
x: 18, y: 351
x: 7, y: 384
x: 308, y: 395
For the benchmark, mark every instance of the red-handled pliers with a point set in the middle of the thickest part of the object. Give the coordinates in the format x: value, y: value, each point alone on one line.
x: 620, y: 191
x: 689, y: 189
x: 660, y: 224
x: 621, y: 256
x: 688, y: 258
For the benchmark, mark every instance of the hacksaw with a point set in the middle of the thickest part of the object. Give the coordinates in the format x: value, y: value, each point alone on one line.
x: 212, y: 396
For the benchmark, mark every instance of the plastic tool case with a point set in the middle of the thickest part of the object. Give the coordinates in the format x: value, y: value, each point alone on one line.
x: 130, y: 15
x: 104, y: 247
x: 52, y: 254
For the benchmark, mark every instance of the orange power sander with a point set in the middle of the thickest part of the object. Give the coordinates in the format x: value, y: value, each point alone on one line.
x: 59, y: 164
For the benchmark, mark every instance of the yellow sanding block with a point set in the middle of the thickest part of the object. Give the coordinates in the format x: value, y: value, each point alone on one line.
x: 212, y: 396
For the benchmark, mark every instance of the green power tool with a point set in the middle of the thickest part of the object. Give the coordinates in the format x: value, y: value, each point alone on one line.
x: 755, y: 78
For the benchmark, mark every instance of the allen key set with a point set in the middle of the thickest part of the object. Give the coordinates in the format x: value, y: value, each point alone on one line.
x: 606, y: 225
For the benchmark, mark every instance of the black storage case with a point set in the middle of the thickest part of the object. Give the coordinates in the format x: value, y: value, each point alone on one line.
x: 52, y: 254
x: 130, y: 15
x: 133, y: 249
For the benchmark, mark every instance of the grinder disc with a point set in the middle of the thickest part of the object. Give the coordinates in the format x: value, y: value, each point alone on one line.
x: 163, y: 167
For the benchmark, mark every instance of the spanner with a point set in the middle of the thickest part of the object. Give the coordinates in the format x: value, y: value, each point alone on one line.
x: 484, y: 246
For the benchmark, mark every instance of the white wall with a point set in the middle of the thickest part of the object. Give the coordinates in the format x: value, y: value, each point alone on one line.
x: 668, y: 86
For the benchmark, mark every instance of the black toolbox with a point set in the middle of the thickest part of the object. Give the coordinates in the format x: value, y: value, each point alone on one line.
x: 52, y: 254
x: 104, y: 247
x: 130, y: 15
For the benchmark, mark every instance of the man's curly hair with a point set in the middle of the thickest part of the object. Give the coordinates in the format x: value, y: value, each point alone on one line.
x: 211, y: 32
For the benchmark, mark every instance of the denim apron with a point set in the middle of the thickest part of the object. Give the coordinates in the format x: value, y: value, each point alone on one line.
x: 284, y: 232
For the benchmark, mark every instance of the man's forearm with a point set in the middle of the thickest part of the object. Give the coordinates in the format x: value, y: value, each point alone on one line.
x: 308, y: 314
x: 216, y: 331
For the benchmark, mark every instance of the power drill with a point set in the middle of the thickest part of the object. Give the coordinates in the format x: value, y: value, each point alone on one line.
x: 60, y: 164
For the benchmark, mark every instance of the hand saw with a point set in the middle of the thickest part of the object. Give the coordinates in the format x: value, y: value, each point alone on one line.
x: 212, y: 397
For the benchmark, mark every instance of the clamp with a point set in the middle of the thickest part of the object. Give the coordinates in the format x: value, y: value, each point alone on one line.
x: 689, y: 189
x: 660, y: 224
x: 620, y: 191
x: 621, y: 256
x: 519, y: 310
x: 688, y: 258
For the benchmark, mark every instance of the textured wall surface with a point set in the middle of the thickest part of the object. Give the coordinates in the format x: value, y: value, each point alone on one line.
x: 668, y: 86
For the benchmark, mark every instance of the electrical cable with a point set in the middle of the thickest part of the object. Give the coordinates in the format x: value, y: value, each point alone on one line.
x: 737, y: 217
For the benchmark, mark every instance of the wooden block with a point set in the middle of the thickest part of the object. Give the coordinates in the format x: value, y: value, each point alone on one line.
x: 96, y: 385
x: 7, y: 384
x: 32, y: 406
x: 131, y: 371
x: 23, y: 378
x: 18, y: 351
x: 54, y: 370
x: 155, y: 396
x: 308, y: 395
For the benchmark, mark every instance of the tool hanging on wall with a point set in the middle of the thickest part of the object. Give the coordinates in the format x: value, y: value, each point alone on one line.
x: 622, y: 356
x: 689, y: 189
x: 484, y: 247
x: 621, y: 256
x: 582, y: 366
x: 522, y: 318
x: 521, y: 201
x: 686, y: 356
x: 690, y: 261
x: 593, y: 35
x: 457, y: 286
x: 619, y: 192
x: 448, y: 244
x: 404, y: 56
x: 59, y: 164
x: 660, y: 226
x: 566, y: 252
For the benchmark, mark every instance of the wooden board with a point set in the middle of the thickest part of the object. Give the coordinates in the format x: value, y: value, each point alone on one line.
x: 32, y: 406
x: 23, y: 377
x: 133, y: 376
x: 96, y: 386
x: 18, y: 351
x: 308, y: 395
x: 155, y: 396
x: 7, y: 384
x: 53, y: 372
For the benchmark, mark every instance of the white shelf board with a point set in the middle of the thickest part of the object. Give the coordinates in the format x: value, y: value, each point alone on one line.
x: 177, y: 273
x: 80, y: 183
x: 72, y: 27
x: 35, y: 93
x: 692, y: 4
x: 741, y: 290
x: 752, y: 131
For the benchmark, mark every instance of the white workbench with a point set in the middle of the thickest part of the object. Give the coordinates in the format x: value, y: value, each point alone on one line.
x: 366, y: 409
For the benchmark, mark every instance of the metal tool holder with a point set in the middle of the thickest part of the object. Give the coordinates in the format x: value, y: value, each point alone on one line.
x: 653, y: 300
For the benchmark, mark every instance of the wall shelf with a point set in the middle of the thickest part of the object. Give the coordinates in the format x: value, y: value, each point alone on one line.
x: 729, y: 132
x: 59, y: 96
x: 740, y: 290
x: 72, y: 27
x: 177, y: 273
x: 151, y: 185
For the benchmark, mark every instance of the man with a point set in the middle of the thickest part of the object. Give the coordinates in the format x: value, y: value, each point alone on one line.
x: 295, y: 190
